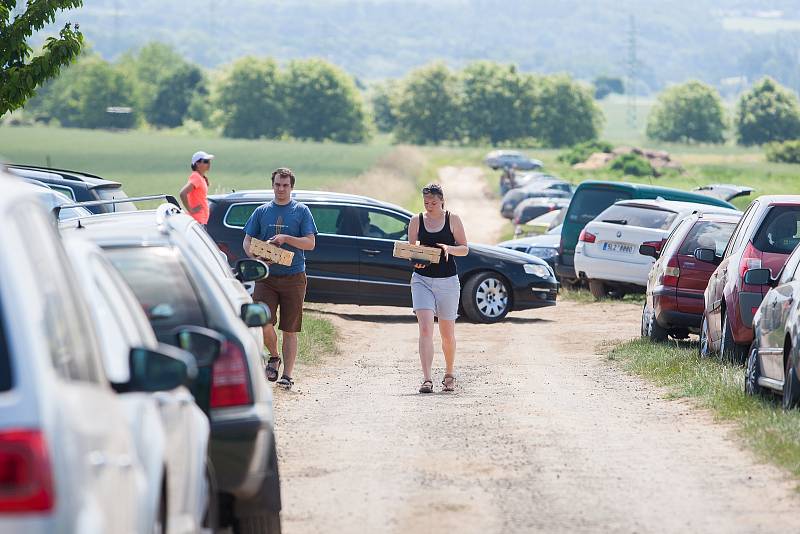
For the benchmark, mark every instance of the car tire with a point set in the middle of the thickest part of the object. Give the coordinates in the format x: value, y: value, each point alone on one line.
x: 729, y: 350
x: 752, y: 372
x: 486, y: 298
x: 791, y: 386
x: 262, y: 513
x: 211, y: 517
x: 160, y: 526
x: 704, y: 347
x: 645, y: 317
x: 655, y: 332
x: 264, y: 523
x: 597, y: 288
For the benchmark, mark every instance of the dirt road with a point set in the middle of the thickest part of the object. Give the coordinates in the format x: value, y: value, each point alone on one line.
x: 542, y: 435
x: 467, y: 193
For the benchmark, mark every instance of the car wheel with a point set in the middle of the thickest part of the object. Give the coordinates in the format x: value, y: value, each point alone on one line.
x: 597, y: 288
x: 645, y: 317
x: 265, y: 523
x: 704, y: 347
x: 729, y: 350
x: 753, y: 372
x: 791, y: 387
x: 655, y: 332
x: 211, y: 515
x: 486, y: 298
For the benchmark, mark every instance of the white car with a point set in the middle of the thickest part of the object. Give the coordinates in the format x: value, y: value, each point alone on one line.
x: 607, y: 253
x: 63, y: 430
x: 171, y: 431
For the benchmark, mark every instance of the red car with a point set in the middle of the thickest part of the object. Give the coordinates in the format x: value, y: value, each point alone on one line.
x: 766, y: 235
x: 674, y: 298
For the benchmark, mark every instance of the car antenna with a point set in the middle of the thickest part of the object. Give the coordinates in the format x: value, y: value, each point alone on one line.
x: 80, y: 226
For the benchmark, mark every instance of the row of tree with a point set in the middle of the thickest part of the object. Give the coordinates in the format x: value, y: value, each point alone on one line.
x: 694, y: 112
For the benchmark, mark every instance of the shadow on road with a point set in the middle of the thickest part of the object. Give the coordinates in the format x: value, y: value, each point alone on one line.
x: 407, y: 318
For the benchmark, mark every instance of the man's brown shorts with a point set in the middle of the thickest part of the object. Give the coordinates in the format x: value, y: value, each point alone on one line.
x: 287, y: 292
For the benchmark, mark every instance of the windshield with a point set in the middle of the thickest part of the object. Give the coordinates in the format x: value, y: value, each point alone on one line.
x: 780, y: 231
x: 707, y: 234
x: 587, y: 203
x: 638, y: 216
x: 161, y: 284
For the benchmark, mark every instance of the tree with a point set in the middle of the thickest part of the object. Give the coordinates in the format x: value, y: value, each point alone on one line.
x: 564, y: 112
x: 605, y: 85
x: 428, y: 109
x: 494, y: 106
x: 21, y: 72
x: 381, y: 99
x: 251, y: 100
x: 322, y: 102
x: 174, y: 94
x: 688, y: 112
x: 768, y: 112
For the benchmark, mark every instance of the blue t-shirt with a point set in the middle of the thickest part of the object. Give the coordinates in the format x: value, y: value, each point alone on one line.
x: 294, y: 219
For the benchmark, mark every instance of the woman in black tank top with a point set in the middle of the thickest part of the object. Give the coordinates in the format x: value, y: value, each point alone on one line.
x: 435, y: 288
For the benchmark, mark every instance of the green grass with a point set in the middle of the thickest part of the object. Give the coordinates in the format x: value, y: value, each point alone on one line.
x: 317, y: 340
x: 772, y: 433
x: 156, y: 162
x: 583, y: 295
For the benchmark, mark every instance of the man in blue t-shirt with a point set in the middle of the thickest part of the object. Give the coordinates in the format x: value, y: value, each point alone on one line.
x: 290, y: 225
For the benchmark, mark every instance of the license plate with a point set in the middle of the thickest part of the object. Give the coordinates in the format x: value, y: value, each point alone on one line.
x: 613, y: 246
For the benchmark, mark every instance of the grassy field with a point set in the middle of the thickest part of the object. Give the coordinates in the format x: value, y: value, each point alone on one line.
x: 772, y: 433
x: 317, y: 339
x: 153, y: 162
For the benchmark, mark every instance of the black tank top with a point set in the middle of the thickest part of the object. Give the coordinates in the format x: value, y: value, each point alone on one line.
x: 443, y: 269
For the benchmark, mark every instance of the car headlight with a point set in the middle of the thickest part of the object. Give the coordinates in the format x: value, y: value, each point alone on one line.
x: 543, y: 252
x: 542, y: 271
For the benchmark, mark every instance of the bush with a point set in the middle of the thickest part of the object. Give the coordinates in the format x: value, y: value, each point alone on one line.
x: 632, y: 165
x: 688, y: 112
x: 786, y: 152
x: 564, y: 112
x: 768, y: 112
x: 580, y: 152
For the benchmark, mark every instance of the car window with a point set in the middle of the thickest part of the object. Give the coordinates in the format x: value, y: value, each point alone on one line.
x: 6, y: 380
x: 329, y: 219
x: 638, y: 216
x: 63, y: 190
x: 707, y: 234
x: 69, y: 332
x: 780, y: 231
x: 209, y: 248
x: 115, y: 193
x: 239, y: 214
x: 790, y: 271
x: 73, y: 213
x: 161, y: 284
x: 384, y: 225
x: 742, y: 232
x: 588, y: 203
x: 674, y: 239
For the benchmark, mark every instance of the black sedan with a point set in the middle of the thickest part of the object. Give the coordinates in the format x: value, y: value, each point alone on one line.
x: 774, y: 358
x: 353, y: 263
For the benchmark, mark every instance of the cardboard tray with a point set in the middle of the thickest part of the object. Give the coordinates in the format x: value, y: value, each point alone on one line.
x: 270, y: 252
x: 416, y: 252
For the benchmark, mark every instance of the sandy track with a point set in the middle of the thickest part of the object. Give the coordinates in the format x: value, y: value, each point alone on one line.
x: 542, y: 435
x: 467, y: 194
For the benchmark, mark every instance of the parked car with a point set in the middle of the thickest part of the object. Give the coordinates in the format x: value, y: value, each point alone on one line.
x: 548, y: 189
x: 773, y: 356
x: 676, y: 283
x: 607, y: 254
x: 176, y: 289
x: 724, y: 191
x: 592, y: 197
x: 69, y: 460
x: 531, y: 208
x: 497, y: 159
x: 543, y: 246
x: 764, y: 238
x: 79, y: 186
x: 170, y: 430
x: 541, y: 224
x: 50, y: 199
x: 349, y: 267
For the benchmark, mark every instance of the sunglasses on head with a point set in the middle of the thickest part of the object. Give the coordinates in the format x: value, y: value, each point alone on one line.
x: 432, y: 190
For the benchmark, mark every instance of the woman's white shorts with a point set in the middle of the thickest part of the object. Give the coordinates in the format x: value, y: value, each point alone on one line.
x: 438, y: 294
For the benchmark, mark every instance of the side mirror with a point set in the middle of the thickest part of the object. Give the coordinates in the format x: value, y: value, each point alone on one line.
x: 706, y: 255
x: 255, y: 314
x: 758, y: 277
x: 648, y: 250
x: 162, y: 369
x: 250, y: 270
x: 203, y: 343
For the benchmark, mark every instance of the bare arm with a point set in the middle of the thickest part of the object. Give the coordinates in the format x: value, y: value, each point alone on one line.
x: 184, y: 194
x: 307, y: 242
x: 413, y: 230
x: 246, y: 245
x: 460, y: 248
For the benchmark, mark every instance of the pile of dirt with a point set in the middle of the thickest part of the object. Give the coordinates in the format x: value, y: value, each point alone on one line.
x: 660, y: 160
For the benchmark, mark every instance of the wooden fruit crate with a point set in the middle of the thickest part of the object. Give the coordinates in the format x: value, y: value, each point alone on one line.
x: 416, y: 252
x: 270, y: 252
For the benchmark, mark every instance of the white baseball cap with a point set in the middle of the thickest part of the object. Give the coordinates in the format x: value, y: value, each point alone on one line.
x: 201, y: 155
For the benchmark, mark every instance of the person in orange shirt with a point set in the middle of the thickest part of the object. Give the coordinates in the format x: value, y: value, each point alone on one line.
x: 194, y: 194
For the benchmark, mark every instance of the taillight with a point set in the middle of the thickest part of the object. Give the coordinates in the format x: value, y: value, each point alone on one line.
x: 26, y: 481
x: 751, y: 259
x: 587, y: 237
x: 230, y: 381
x: 658, y: 245
x: 671, y: 272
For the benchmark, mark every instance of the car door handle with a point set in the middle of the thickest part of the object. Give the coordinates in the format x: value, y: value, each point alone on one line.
x: 370, y: 252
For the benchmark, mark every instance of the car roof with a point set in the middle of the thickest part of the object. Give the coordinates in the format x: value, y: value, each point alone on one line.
x: 130, y: 227
x: 675, y: 206
x: 772, y: 200
x: 653, y: 191
x: 300, y: 195
x: 45, y: 173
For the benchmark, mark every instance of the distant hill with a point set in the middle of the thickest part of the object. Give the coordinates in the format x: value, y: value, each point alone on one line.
x: 715, y: 41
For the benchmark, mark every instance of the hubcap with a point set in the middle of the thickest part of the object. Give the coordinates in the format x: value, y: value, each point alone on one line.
x: 491, y: 297
x: 704, y: 339
x: 751, y: 371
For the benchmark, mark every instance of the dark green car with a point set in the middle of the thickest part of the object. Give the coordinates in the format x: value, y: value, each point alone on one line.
x: 592, y: 197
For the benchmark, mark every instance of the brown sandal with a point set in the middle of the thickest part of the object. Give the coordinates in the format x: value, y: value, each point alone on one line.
x: 272, y: 372
x: 426, y: 387
x: 449, y: 383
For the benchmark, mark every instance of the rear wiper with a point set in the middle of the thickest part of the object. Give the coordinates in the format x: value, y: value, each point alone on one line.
x: 616, y: 221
